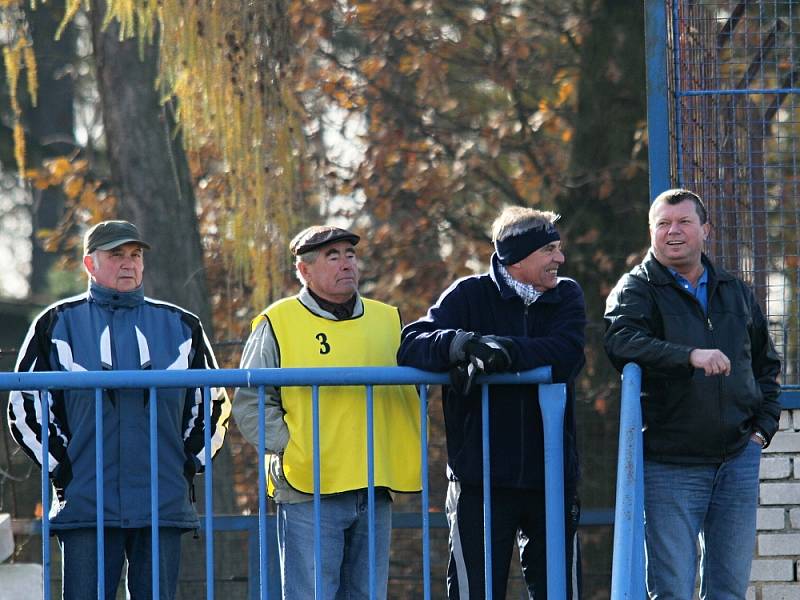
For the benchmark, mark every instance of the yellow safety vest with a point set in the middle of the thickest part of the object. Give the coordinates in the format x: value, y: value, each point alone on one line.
x: 308, y: 340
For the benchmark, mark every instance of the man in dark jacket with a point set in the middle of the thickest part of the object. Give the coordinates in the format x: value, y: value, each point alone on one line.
x: 518, y: 316
x: 709, y: 399
x: 113, y: 326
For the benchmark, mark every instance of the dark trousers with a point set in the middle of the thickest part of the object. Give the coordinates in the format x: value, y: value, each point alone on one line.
x: 79, y: 554
x: 517, y: 515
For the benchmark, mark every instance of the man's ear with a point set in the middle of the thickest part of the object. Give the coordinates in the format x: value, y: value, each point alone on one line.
x: 706, y: 231
x: 304, y: 271
x: 88, y: 263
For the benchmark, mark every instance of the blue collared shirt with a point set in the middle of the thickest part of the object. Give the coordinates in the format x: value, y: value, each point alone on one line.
x: 700, y: 291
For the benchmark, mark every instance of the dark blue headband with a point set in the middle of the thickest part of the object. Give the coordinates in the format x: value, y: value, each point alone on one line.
x: 514, y: 248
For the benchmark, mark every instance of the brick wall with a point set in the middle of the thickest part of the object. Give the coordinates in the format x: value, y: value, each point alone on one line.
x: 775, y: 574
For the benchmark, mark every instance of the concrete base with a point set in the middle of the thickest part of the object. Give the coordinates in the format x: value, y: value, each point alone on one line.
x: 20, y: 580
x: 6, y: 537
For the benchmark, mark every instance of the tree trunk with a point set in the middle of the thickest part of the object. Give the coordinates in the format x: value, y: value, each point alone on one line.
x: 149, y: 169
x: 51, y: 123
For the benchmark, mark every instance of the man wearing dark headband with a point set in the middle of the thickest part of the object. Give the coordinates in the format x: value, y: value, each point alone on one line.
x: 518, y: 316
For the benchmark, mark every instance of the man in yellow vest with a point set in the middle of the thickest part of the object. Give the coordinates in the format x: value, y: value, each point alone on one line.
x: 328, y: 324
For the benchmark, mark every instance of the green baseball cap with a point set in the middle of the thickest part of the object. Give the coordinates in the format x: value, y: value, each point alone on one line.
x: 107, y: 235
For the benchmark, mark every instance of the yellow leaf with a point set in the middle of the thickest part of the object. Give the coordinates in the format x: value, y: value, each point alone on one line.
x: 73, y: 186
x: 58, y: 167
x: 565, y: 92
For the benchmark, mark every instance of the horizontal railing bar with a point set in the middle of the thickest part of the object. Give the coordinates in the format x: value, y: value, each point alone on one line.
x: 591, y: 517
x: 251, y: 378
x: 742, y: 92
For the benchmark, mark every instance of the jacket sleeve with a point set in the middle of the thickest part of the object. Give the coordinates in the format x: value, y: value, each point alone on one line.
x: 632, y: 332
x: 24, y: 406
x: 563, y: 346
x: 196, y: 420
x: 425, y: 343
x: 261, y: 352
x: 766, y: 367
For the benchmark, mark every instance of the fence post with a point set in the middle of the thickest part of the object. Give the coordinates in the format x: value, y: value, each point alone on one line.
x: 487, y: 492
x: 155, y: 561
x: 657, y: 97
x: 100, y: 508
x: 208, y: 480
x: 627, y: 571
x: 44, y: 405
x: 553, y: 401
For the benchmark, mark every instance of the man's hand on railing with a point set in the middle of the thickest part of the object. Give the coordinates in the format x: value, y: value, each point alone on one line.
x: 489, y: 353
x: 484, y: 354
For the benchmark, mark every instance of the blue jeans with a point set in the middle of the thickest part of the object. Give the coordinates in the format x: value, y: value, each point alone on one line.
x: 344, y: 543
x: 712, y: 506
x: 79, y: 555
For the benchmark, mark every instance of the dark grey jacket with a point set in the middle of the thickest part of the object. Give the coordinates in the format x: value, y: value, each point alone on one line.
x: 689, y: 417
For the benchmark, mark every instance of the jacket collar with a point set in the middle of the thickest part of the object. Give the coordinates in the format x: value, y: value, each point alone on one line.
x: 658, y: 274
x: 508, y: 293
x: 109, y: 298
x: 307, y: 300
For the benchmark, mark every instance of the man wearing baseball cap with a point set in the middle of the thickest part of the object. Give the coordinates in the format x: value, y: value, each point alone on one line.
x: 518, y: 316
x: 113, y: 326
x: 328, y: 324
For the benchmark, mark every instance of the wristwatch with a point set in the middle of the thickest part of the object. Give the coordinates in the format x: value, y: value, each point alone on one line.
x: 762, y: 438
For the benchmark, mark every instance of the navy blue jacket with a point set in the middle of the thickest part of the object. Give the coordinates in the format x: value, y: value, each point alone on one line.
x: 102, y: 330
x: 548, y: 332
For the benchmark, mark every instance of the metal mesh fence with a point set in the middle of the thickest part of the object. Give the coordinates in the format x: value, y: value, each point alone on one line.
x: 735, y: 136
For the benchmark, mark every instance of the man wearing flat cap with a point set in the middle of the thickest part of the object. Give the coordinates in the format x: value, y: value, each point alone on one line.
x: 328, y: 324
x: 518, y: 316
x: 113, y: 326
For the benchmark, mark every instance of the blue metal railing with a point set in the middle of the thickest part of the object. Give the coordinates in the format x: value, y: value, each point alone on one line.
x: 552, y: 399
x: 627, y: 570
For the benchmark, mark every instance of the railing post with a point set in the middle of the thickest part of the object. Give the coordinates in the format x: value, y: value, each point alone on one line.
x: 627, y: 571
x: 426, y: 528
x: 317, y: 492
x: 44, y: 405
x: 371, y: 489
x: 262, y: 499
x: 553, y: 401
x: 487, y: 492
x: 100, y: 509
x: 155, y: 560
x: 208, y: 480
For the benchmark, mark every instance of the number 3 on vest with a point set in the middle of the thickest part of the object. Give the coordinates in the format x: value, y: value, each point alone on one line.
x: 325, y: 347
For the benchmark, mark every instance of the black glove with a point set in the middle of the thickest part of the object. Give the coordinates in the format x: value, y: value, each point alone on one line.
x: 462, y: 378
x: 483, y: 354
x: 489, y: 353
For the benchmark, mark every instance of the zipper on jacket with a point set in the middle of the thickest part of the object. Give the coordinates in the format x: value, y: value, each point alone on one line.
x: 522, y: 409
x: 720, y: 387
